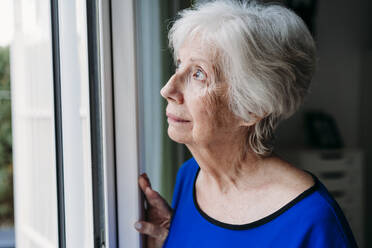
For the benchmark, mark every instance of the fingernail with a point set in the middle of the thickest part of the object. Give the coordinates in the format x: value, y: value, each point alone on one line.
x: 138, y: 225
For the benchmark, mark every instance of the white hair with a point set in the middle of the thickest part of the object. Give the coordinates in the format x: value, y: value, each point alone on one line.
x: 265, y: 53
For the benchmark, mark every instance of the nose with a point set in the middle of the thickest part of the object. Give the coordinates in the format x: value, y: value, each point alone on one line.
x: 171, y: 91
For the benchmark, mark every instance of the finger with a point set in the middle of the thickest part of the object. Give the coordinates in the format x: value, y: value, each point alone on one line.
x: 144, y: 182
x: 145, y: 175
x: 152, y: 197
x: 155, y: 200
x: 145, y: 186
x: 152, y: 230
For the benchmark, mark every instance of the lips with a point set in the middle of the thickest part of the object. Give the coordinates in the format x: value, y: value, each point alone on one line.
x: 175, y: 118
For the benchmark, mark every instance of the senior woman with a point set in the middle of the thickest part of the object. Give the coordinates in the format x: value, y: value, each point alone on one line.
x: 241, y: 68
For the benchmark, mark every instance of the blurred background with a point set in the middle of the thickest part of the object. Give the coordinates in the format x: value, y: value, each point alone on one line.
x: 330, y: 135
x: 6, y: 161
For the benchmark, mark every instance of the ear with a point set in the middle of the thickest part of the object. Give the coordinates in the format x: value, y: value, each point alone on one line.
x: 253, y: 120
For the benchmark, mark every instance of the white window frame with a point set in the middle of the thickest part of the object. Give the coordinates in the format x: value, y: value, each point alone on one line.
x: 126, y: 122
x: 104, y: 15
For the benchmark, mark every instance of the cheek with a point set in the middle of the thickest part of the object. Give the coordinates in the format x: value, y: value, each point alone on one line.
x: 216, y: 108
x: 212, y: 119
x: 199, y: 105
x: 210, y: 113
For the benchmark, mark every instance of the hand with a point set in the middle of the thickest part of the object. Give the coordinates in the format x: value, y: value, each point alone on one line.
x: 158, y: 215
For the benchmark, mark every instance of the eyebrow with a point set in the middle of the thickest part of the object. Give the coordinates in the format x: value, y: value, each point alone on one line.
x: 193, y: 60
x: 200, y: 59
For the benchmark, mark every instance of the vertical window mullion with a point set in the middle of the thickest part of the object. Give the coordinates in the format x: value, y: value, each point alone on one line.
x: 58, y: 124
x: 95, y: 97
x: 108, y: 211
x: 76, y: 123
x: 129, y: 202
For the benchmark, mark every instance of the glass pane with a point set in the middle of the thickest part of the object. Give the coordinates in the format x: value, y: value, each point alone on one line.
x: 150, y: 78
x: 33, y: 126
x: 160, y: 156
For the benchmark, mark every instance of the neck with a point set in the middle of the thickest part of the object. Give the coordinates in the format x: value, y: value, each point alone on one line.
x: 225, y: 167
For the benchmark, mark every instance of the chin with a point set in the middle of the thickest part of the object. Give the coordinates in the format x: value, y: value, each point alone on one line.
x: 177, y: 136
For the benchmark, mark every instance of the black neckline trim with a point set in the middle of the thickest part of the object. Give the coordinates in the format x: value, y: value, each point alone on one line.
x: 261, y: 221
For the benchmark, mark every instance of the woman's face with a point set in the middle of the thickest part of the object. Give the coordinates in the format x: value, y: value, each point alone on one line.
x: 197, y: 114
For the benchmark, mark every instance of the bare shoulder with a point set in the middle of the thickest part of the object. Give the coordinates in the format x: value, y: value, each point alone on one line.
x: 290, y: 178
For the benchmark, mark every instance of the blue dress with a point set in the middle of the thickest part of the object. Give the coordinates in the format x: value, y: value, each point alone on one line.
x: 312, y: 219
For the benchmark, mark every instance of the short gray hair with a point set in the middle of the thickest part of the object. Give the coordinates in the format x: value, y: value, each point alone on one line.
x: 266, y: 55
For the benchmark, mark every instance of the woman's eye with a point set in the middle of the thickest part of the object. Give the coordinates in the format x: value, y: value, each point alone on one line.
x: 199, y: 75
